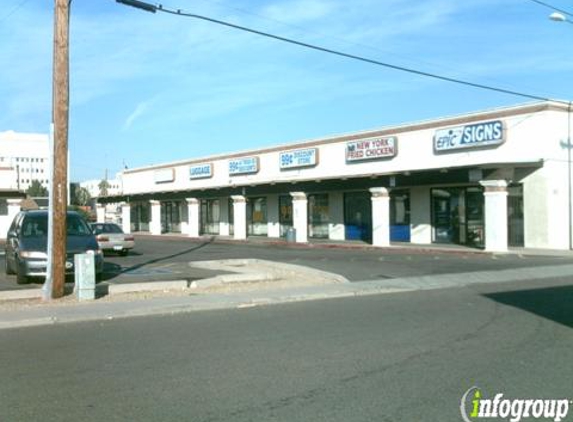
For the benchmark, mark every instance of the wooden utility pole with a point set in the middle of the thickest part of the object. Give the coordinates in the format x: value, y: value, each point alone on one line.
x: 60, y: 110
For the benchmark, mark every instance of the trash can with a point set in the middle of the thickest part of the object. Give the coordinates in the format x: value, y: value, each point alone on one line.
x: 291, y: 235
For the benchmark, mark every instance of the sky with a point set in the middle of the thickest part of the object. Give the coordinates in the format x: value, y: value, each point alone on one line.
x: 154, y: 88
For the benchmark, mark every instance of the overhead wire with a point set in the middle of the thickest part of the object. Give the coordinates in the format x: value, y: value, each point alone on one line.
x: 542, y: 3
x: 179, y: 12
x: 13, y: 10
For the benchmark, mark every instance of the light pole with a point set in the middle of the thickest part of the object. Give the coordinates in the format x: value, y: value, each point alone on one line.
x: 559, y: 17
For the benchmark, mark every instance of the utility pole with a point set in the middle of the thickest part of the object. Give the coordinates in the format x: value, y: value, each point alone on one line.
x: 60, y: 110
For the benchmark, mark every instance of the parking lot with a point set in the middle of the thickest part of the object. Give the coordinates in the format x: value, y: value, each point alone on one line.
x: 168, y: 257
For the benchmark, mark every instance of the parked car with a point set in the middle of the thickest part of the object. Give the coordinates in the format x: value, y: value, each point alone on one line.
x: 111, y: 237
x: 27, y: 244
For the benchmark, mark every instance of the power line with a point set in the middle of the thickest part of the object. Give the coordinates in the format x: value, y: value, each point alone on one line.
x: 552, y: 7
x: 14, y: 10
x: 178, y: 12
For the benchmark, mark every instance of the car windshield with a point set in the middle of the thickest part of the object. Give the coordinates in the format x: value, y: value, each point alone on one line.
x: 106, y: 228
x: 37, y: 226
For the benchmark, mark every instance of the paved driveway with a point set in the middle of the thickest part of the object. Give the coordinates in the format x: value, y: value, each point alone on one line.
x: 167, y: 258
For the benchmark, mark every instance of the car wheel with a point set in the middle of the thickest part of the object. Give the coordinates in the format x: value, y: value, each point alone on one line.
x: 21, y: 278
x: 124, y: 252
x: 7, y: 266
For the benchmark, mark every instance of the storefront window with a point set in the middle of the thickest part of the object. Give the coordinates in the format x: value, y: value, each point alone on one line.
x: 171, y: 217
x: 285, y: 213
x: 318, y: 212
x: 210, y: 216
x: 515, y: 220
x: 257, y: 217
x: 139, y: 216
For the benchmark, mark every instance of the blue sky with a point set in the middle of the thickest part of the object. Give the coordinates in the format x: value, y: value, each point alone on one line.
x: 152, y: 88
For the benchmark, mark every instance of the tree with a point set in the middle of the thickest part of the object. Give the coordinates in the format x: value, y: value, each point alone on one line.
x: 81, y: 196
x: 103, y: 187
x: 36, y: 190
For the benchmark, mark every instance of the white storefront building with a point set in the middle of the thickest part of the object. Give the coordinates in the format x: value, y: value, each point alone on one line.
x: 492, y: 179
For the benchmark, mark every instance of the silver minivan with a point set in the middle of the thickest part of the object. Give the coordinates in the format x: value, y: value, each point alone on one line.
x: 27, y: 244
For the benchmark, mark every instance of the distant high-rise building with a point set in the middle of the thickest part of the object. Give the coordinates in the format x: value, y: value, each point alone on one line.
x: 24, y: 157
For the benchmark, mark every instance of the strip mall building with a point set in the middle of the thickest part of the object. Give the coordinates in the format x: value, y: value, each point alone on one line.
x: 493, y: 179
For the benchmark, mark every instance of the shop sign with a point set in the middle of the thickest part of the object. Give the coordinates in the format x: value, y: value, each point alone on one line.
x: 469, y: 136
x: 202, y: 171
x: 371, y: 149
x: 298, y: 158
x: 164, y: 176
x: 245, y: 165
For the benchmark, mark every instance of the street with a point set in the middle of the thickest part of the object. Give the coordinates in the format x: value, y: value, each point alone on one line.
x: 396, y: 357
x: 166, y: 258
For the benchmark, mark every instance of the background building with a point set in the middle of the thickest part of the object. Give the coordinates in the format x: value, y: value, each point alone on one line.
x: 114, y: 187
x: 24, y: 157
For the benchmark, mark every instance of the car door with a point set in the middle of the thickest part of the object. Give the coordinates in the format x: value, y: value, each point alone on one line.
x: 12, y: 241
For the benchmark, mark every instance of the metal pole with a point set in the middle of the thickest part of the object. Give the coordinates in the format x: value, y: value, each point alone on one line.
x: 60, y: 165
x: 47, y: 287
x: 569, y: 187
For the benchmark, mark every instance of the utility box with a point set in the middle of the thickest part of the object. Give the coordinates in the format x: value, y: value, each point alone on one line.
x: 84, y: 276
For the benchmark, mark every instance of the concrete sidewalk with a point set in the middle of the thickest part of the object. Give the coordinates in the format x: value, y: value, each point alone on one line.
x: 67, y: 310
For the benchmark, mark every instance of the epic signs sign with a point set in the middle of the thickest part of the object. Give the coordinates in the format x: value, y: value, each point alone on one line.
x: 371, y: 149
x: 469, y: 136
x: 298, y: 158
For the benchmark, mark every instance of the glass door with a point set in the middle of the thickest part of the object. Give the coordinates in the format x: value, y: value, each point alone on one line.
x: 358, y: 216
x: 318, y: 213
x: 257, y: 223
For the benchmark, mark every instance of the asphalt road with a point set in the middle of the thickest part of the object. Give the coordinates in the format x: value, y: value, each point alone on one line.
x: 167, y: 258
x: 399, y: 357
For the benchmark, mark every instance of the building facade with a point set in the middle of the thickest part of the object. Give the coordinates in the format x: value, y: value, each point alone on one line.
x: 24, y: 157
x: 112, y: 211
x: 492, y: 179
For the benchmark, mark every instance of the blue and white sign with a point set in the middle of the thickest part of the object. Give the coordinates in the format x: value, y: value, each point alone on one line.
x: 298, y: 158
x: 247, y: 165
x: 469, y: 136
x: 201, y: 171
x: 164, y: 175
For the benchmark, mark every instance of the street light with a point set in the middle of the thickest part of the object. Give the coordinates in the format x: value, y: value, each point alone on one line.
x: 559, y: 17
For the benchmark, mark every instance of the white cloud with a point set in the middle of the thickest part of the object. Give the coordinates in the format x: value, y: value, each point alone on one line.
x: 298, y: 11
x: 139, y: 110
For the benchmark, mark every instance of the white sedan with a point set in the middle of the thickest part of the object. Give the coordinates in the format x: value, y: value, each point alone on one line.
x: 111, y: 238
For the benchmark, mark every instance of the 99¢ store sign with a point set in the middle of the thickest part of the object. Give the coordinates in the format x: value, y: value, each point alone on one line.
x: 247, y: 165
x: 371, y: 149
x: 298, y: 158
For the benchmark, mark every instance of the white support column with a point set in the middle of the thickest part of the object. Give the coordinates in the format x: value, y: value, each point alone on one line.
x: 126, y: 217
x: 100, y: 213
x: 380, y: 217
x: 273, y: 225
x: 239, y: 217
x: 495, y: 215
x: 300, y: 216
x: 155, y: 223
x: 13, y: 208
x: 193, y: 225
